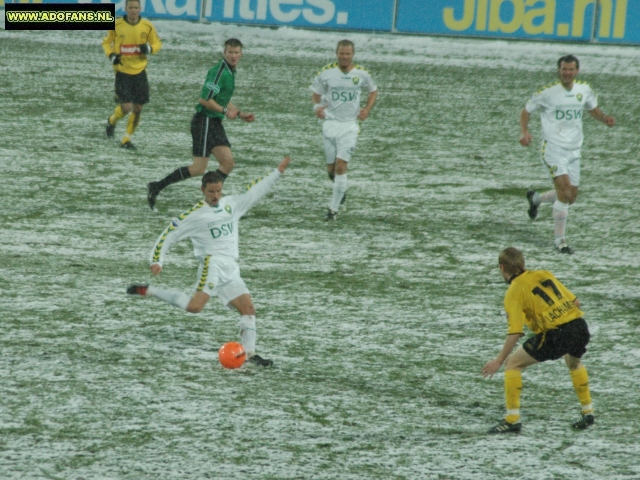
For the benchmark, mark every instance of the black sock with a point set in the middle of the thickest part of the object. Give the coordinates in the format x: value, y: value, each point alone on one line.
x: 224, y: 175
x: 176, y: 176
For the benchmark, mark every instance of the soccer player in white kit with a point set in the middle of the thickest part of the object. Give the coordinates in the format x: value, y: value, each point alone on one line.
x: 561, y: 106
x: 212, y: 226
x: 336, y: 100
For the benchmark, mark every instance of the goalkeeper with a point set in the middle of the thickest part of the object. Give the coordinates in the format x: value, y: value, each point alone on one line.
x: 127, y: 48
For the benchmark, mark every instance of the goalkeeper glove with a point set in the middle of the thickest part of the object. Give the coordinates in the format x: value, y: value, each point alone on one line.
x: 114, y: 58
x: 145, y: 48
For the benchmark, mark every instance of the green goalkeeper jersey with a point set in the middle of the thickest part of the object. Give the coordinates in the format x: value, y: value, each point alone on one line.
x: 219, y: 86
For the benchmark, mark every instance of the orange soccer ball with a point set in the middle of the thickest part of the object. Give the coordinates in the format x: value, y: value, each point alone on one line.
x: 232, y: 355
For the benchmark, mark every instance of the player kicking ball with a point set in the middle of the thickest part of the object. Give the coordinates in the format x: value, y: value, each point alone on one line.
x: 212, y: 226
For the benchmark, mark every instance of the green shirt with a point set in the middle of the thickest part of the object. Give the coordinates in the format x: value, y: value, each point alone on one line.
x: 219, y: 86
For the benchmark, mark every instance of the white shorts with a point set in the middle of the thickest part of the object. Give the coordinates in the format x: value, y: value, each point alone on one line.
x: 560, y: 161
x: 220, y: 278
x: 339, y: 139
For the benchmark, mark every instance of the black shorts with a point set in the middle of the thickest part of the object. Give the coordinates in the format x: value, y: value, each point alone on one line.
x: 207, y: 133
x: 132, y: 88
x: 571, y: 338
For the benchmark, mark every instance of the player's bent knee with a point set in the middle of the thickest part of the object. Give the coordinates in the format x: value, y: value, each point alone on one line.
x: 247, y: 310
x: 565, y: 197
x: 568, y: 194
x: 227, y: 165
x: 510, y: 365
x: 194, y: 308
x: 197, y: 170
x: 519, y: 360
x: 574, y: 363
x: 341, y: 167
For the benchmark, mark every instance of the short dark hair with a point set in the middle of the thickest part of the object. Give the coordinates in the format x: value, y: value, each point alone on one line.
x: 212, y: 177
x: 345, y: 43
x: 232, y: 42
x: 569, y: 59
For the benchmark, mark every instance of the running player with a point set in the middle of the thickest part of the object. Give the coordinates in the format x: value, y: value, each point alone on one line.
x: 561, y: 106
x: 127, y: 48
x: 207, y: 131
x: 336, y: 100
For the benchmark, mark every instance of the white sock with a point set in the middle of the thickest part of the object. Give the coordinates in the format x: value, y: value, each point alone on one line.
x: 339, y: 189
x: 546, y: 197
x: 247, y: 330
x: 174, y: 297
x: 560, y: 214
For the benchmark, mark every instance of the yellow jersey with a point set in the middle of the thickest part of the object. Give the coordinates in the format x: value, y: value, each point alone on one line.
x: 538, y: 299
x: 125, y: 40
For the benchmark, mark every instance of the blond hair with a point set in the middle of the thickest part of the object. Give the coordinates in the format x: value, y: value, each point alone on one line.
x: 513, y: 261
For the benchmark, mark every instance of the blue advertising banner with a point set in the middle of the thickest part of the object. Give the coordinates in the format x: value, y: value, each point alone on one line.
x: 618, y: 22
x: 340, y: 14
x: 598, y: 21
x: 569, y: 20
x: 173, y: 9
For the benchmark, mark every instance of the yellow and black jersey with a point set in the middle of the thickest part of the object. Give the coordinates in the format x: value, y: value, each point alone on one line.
x: 538, y: 299
x: 125, y: 40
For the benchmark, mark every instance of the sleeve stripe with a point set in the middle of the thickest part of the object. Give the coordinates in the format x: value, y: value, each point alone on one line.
x: 205, y: 273
x: 327, y: 67
x: 219, y: 73
x: 197, y: 206
x: 158, y: 249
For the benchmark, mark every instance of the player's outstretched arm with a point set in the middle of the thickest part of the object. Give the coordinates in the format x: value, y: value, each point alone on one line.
x: 284, y: 164
x: 259, y: 188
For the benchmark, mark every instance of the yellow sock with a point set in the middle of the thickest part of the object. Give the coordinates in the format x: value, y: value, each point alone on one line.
x: 512, y: 389
x: 580, y: 380
x: 118, y: 114
x: 132, y: 124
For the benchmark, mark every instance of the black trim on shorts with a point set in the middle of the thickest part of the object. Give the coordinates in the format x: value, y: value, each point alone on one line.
x: 569, y: 338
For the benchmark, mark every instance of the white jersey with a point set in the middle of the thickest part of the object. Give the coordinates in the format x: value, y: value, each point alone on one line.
x: 213, y: 230
x: 341, y: 91
x: 561, y: 112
